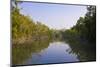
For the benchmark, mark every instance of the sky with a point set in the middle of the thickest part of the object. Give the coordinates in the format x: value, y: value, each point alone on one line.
x: 55, y: 16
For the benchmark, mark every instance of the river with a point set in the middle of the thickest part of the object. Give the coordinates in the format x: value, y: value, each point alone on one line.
x: 47, y: 52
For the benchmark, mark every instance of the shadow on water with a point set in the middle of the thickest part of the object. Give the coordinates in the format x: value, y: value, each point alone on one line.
x: 85, y: 51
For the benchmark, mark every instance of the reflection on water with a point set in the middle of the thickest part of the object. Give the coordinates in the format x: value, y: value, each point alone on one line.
x: 40, y: 52
x: 55, y: 53
x: 21, y: 52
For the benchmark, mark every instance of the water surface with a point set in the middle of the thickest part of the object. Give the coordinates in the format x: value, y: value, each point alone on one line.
x: 56, y: 52
x: 44, y: 52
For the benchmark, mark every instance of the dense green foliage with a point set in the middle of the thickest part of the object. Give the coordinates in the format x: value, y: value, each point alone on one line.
x: 23, y: 28
x: 85, y: 27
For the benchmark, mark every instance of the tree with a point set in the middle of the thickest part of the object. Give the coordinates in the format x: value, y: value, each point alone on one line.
x: 86, y: 26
